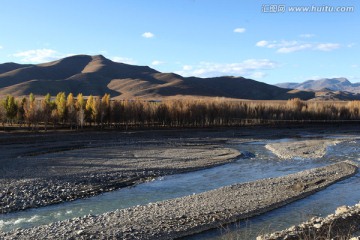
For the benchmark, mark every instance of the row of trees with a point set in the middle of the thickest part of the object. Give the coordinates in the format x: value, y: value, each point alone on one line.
x: 77, y: 112
x: 62, y: 110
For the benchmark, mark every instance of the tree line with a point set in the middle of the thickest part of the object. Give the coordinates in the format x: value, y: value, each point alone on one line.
x: 67, y: 110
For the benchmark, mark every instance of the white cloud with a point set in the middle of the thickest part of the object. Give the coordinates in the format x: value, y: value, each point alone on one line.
x: 123, y: 60
x: 1, y: 47
x: 327, y: 46
x: 252, y: 68
x: 239, y: 30
x: 350, y: 45
x: 148, y: 35
x: 257, y: 75
x: 156, y: 62
x: 307, y: 35
x: 187, y: 67
x: 262, y: 43
x: 355, y: 66
x: 295, y: 46
x: 38, y: 55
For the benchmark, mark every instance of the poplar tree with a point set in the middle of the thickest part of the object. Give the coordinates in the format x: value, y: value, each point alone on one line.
x: 60, y: 102
x: 10, y: 108
x: 96, y: 110
x: 2, y: 115
x: 71, y: 109
x: 20, y: 115
x: 105, y: 109
x: 30, y: 110
x: 80, y: 107
x: 88, y: 109
x: 46, y: 109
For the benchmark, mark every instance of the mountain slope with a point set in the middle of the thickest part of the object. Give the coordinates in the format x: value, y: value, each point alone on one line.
x: 97, y: 75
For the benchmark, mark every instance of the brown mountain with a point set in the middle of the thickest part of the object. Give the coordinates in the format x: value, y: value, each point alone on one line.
x: 97, y: 75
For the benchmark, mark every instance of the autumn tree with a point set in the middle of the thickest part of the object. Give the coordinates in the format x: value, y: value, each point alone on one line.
x: 71, y: 109
x: 96, y: 110
x: 105, y: 109
x: 2, y: 115
x: 30, y: 110
x: 20, y: 115
x: 46, y: 107
x: 10, y: 108
x: 89, y: 109
x: 117, y: 109
x: 80, y: 108
x: 60, y: 102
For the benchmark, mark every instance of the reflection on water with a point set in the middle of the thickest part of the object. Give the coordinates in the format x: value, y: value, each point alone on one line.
x: 263, y: 165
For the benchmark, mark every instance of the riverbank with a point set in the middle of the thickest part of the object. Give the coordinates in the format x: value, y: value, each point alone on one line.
x: 340, y: 225
x: 192, y: 214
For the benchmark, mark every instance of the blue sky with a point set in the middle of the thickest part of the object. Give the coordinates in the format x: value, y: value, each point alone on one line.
x: 191, y: 37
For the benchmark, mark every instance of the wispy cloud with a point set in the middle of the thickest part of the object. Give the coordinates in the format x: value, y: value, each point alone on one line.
x: 239, y: 30
x: 1, y: 47
x: 38, y: 55
x: 148, y: 35
x: 123, y: 60
x: 295, y: 46
x: 327, y: 46
x: 156, y: 62
x: 252, y: 68
x: 307, y: 35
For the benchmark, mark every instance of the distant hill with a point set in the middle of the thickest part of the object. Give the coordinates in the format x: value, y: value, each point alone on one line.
x: 332, y: 84
x: 97, y: 75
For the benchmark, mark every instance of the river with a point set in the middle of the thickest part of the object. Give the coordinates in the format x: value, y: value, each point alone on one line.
x: 258, y: 163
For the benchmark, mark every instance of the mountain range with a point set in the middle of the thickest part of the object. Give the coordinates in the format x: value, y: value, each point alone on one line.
x: 328, y: 88
x: 325, y: 84
x: 97, y: 75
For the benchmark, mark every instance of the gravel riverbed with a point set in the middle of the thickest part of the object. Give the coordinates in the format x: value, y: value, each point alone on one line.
x: 192, y: 214
x: 44, y: 169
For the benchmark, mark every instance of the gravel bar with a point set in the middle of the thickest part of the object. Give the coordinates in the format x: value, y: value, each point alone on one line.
x: 195, y: 213
x: 301, y: 149
x: 49, y: 169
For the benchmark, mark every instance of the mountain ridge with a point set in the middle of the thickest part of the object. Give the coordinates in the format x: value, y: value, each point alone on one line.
x: 97, y: 75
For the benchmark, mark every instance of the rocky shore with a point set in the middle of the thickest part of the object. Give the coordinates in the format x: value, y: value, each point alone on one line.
x: 192, y: 214
x: 340, y: 225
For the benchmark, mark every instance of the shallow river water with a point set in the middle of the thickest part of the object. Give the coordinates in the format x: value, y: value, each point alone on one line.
x: 263, y: 165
